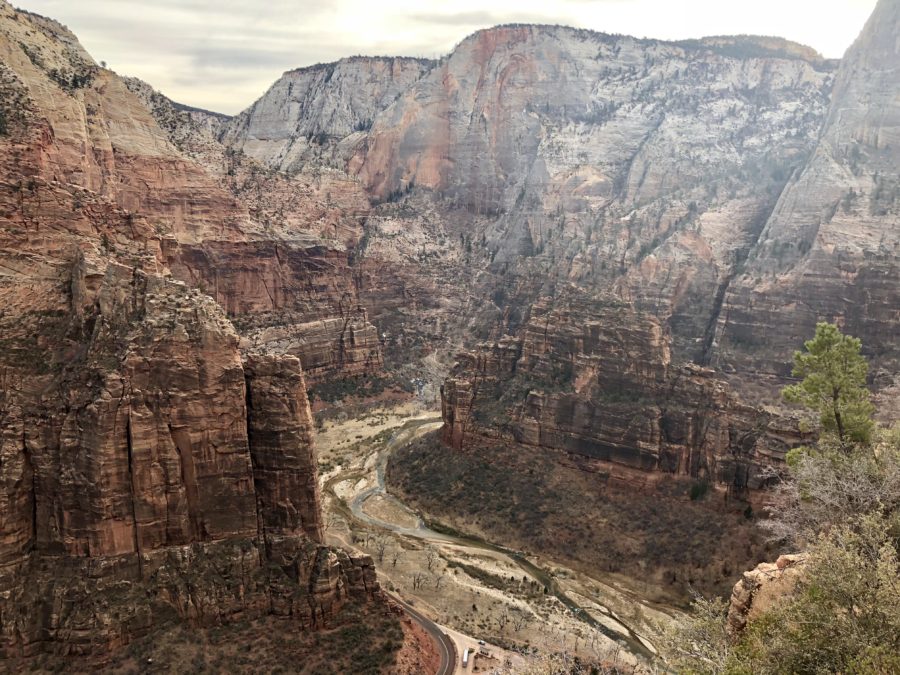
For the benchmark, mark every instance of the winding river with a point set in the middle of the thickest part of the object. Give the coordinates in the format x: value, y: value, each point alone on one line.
x: 423, y: 530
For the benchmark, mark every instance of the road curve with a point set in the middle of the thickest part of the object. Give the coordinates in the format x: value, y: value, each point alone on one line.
x: 445, y: 645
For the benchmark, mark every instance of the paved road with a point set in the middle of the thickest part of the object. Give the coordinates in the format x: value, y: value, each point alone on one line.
x: 444, y: 643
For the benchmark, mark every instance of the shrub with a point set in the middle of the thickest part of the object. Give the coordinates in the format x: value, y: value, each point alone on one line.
x: 699, y: 490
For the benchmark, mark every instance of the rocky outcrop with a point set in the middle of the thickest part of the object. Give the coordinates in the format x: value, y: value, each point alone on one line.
x: 89, y: 607
x: 137, y: 488
x: 291, y: 274
x: 591, y: 378
x: 348, y: 345
x: 161, y: 474
x: 280, y: 430
x: 761, y: 588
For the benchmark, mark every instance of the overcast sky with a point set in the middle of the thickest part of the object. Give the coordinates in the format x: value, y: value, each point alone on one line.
x: 223, y: 54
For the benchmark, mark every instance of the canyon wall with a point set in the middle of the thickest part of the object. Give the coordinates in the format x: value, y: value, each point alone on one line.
x: 577, y: 201
x: 620, y: 241
x: 316, y: 114
x: 595, y: 380
x: 665, y: 223
x: 287, y: 282
x: 152, y: 469
x: 831, y: 246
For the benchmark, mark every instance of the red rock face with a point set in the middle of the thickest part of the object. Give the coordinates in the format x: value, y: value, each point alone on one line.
x: 348, y: 345
x: 281, y: 447
x: 157, y: 472
x: 159, y: 443
x: 137, y: 486
x: 288, y: 272
x: 580, y: 184
x: 594, y: 380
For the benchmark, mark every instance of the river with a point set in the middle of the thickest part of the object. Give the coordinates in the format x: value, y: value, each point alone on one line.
x: 434, y: 532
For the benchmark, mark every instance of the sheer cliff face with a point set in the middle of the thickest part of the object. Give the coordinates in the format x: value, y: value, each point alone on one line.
x: 831, y: 248
x: 139, y: 483
x: 318, y: 113
x: 281, y: 435
x: 641, y: 168
x: 523, y: 108
x: 617, y: 187
x: 724, y: 194
x: 287, y: 282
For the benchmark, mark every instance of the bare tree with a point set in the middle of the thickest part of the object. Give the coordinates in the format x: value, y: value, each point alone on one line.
x: 520, y: 620
x: 395, y: 556
x: 431, y: 558
x: 438, y: 580
x: 503, y: 620
x: 380, y: 547
x: 701, y: 639
x: 418, y: 579
x: 829, y: 488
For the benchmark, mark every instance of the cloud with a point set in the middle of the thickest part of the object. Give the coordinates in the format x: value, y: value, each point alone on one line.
x: 481, y: 19
x: 223, y: 54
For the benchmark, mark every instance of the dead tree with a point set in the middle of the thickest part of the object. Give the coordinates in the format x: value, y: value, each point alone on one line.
x: 431, y: 558
x: 380, y: 547
x: 520, y: 620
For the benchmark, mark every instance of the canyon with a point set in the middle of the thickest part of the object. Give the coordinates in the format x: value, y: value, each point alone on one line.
x: 155, y: 469
x: 596, y: 252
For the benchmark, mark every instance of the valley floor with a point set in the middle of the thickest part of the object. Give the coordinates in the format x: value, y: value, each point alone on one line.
x: 661, y: 540
x: 523, y: 607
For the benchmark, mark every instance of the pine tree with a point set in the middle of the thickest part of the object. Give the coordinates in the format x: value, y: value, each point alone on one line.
x: 834, y: 384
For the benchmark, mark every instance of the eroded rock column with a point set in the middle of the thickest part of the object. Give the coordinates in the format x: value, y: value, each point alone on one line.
x: 280, y: 429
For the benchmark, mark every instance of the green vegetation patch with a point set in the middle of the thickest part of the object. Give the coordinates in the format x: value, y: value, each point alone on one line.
x: 841, y: 506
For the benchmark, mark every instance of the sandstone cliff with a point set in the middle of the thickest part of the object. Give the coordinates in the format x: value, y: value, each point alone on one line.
x: 319, y: 113
x: 152, y: 484
x: 831, y: 247
x: 722, y: 193
x: 281, y: 441
x: 592, y: 168
x: 646, y: 207
x: 140, y: 483
x: 595, y: 380
x: 288, y: 283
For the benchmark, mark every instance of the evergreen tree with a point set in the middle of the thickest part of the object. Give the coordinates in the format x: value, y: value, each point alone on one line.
x: 841, y: 503
x: 834, y: 384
